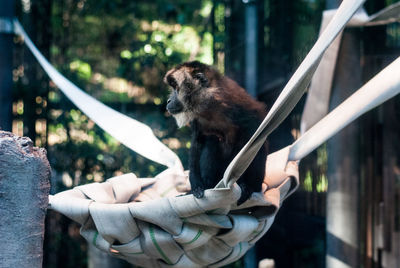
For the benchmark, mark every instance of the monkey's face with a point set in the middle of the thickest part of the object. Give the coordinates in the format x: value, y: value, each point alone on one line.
x: 188, y: 85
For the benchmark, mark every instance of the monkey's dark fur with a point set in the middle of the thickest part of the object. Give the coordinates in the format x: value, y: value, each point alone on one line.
x: 223, y: 117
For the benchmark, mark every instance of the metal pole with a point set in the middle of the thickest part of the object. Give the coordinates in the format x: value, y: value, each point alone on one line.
x: 251, y: 41
x: 6, y: 48
x: 251, y: 77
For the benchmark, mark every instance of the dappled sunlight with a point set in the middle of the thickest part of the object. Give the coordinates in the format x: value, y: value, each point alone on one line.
x: 160, y: 26
x: 78, y: 135
x: 57, y: 134
x: 83, y: 69
x: 172, y: 143
x: 315, y: 179
x: 18, y: 107
x: 121, y: 85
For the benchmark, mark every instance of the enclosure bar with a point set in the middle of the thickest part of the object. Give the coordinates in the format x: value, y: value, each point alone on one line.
x: 6, y: 52
x: 251, y: 47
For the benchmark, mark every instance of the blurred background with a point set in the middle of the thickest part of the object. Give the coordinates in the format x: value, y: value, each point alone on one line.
x: 118, y: 52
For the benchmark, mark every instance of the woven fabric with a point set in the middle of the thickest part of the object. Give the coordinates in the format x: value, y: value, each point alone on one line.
x: 173, y: 229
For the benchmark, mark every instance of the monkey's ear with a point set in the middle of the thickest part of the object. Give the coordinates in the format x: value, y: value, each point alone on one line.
x: 202, y: 79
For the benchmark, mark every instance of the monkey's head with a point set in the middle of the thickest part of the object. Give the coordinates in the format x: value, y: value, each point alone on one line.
x: 192, y: 87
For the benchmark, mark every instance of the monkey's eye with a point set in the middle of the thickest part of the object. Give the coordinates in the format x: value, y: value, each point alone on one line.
x: 199, y: 76
x: 202, y: 78
x: 172, y: 82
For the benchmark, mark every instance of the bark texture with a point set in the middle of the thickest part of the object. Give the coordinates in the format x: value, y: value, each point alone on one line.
x: 24, y: 190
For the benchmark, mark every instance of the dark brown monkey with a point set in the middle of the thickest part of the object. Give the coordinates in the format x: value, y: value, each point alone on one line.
x: 223, y: 117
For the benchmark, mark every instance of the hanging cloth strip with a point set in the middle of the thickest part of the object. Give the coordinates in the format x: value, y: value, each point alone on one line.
x: 144, y: 221
x: 133, y: 134
x: 291, y: 93
x: 317, y: 103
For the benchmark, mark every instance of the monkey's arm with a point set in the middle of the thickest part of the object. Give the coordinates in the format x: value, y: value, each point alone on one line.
x: 212, y: 162
x: 251, y: 180
x: 196, y: 183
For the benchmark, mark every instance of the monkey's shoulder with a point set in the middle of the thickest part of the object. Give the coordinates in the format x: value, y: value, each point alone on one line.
x: 245, y: 117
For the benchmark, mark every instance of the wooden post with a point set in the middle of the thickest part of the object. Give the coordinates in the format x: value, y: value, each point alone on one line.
x: 342, y: 217
x: 389, y: 233
x: 24, y: 189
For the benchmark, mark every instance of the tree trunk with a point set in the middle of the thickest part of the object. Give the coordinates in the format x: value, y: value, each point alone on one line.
x: 24, y: 189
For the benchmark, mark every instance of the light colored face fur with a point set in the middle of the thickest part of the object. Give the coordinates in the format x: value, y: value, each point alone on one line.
x: 183, y: 119
x: 186, y: 89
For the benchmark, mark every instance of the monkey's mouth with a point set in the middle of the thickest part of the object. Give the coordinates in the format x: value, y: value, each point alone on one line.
x: 174, y: 109
x: 182, y: 119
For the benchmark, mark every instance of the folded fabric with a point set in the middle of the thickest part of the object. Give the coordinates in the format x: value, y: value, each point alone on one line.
x: 148, y: 222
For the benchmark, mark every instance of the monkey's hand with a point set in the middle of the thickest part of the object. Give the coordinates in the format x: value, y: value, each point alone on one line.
x: 198, y: 192
x: 246, y: 193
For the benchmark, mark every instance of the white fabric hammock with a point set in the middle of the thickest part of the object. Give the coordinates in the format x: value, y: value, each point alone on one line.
x: 145, y: 222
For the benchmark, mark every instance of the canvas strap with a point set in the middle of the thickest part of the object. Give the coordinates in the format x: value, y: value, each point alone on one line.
x: 291, y: 93
x: 130, y: 132
x: 317, y: 102
x: 379, y: 89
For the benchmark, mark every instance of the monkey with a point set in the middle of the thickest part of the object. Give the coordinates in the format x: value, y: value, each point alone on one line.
x: 222, y: 117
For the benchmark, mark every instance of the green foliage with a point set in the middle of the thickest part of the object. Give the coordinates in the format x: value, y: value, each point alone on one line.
x: 315, y: 177
x: 83, y: 69
x: 118, y: 51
